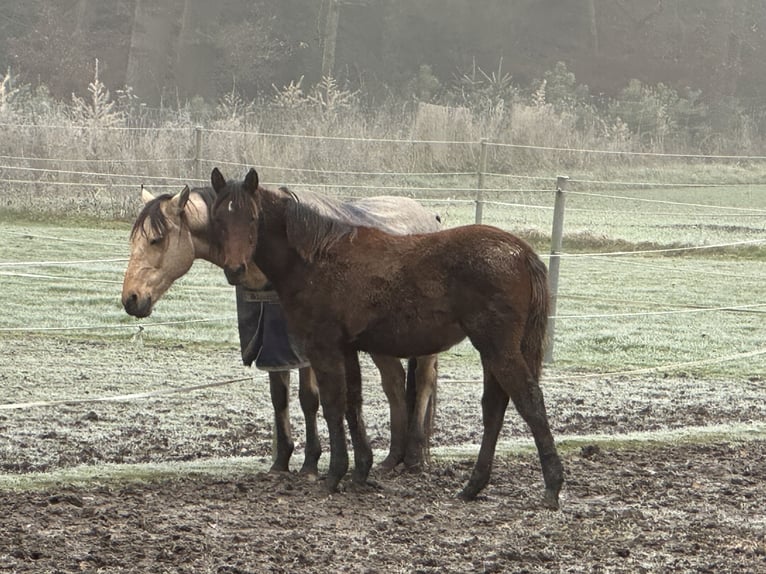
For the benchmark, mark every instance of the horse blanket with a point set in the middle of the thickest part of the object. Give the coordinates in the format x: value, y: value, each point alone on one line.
x: 263, y: 336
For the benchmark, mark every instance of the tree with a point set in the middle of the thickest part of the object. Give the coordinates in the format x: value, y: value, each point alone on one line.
x: 152, y: 48
x: 197, y: 54
x: 591, y: 6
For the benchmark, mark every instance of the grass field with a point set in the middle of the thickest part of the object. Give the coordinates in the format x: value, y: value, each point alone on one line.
x: 693, y: 306
x: 655, y: 398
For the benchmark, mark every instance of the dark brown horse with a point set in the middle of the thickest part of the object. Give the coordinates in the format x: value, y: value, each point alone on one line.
x: 347, y: 288
x: 173, y: 230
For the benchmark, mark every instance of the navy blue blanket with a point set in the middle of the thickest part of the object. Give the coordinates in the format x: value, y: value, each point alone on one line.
x: 263, y: 336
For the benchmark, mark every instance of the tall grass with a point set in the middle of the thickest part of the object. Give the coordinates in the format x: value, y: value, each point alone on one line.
x: 88, y: 156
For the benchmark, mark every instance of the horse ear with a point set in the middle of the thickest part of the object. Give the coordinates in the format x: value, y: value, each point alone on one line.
x: 251, y: 180
x: 179, y: 199
x: 146, y: 196
x: 217, y: 179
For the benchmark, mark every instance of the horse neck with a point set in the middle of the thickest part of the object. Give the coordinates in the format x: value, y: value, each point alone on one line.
x: 273, y: 254
x: 198, y: 221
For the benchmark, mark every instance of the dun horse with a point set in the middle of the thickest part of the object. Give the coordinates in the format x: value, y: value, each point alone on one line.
x: 173, y: 230
x: 350, y: 288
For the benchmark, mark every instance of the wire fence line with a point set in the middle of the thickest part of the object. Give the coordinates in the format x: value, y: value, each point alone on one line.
x: 676, y: 309
x: 127, y: 160
x: 214, y: 384
x: 750, y: 210
x: 545, y: 179
x: 140, y: 327
x: 595, y: 254
x: 672, y: 269
x: 122, y: 398
x: 439, y: 186
x: 664, y: 250
x: 355, y: 139
x: 162, y: 182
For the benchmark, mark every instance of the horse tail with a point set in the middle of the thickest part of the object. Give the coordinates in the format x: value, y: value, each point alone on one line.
x: 534, y: 340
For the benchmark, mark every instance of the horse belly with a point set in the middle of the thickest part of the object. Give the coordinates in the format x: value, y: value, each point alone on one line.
x: 400, y: 338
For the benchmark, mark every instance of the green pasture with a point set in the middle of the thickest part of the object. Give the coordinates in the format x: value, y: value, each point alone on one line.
x: 690, y: 311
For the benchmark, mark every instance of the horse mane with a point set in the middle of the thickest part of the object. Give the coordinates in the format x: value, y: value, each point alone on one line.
x: 153, y: 212
x: 316, y: 222
x: 158, y: 222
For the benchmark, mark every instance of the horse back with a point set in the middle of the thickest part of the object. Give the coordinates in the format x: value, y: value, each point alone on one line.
x: 434, y: 284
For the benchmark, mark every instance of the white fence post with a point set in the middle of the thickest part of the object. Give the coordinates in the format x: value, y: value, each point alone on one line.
x: 197, y: 152
x: 553, y: 265
x: 480, y: 180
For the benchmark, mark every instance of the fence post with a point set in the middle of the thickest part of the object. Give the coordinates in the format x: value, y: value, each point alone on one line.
x: 553, y: 266
x: 480, y: 180
x: 197, y: 152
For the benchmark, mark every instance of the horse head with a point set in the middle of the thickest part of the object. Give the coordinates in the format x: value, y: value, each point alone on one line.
x: 235, y: 218
x: 161, y: 250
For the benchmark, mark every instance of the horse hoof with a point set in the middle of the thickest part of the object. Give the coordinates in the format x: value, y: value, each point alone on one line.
x: 309, y: 471
x: 332, y: 485
x: 311, y: 476
x: 551, y: 500
x: 389, y: 463
x: 414, y: 467
x: 364, y: 487
x: 467, y: 494
x: 360, y: 478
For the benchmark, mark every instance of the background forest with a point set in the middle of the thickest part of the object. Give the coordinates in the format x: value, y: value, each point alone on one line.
x: 664, y: 75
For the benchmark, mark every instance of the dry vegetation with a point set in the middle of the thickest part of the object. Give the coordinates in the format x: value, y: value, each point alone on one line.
x: 87, y: 156
x: 663, y: 464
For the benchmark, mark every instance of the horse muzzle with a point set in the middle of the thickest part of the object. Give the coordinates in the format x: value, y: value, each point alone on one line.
x: 137, y: 307
x: 235, y: 275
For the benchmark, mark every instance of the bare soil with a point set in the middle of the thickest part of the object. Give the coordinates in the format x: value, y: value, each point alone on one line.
x: 685, y: 500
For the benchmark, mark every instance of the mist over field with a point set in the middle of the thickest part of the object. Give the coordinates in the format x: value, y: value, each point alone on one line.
x: 625, y: 141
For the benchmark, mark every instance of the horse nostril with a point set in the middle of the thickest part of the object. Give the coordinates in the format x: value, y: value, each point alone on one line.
x: 130, y: 303
x: 234, y: 273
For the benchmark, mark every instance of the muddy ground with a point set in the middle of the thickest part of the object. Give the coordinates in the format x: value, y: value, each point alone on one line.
x: 685, y: 494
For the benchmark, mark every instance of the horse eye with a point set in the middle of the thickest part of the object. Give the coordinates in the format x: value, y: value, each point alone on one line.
x: 155, y: 241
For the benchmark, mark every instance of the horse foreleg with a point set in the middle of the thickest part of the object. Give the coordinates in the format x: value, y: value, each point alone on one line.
x: 494, y: 402
x: 308, y: 394
x: 279, y: 385
x: 331, y: 380
x: 392, y: 378
x: 421, y: 412
x: 362, y: 449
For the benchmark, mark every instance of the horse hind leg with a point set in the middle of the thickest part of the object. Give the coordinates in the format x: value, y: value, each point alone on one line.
x: 494, y: 402
x: 524, y: 389
x: 308, y: 394
x: 421, y: 409
x: 282, y: 449
x: 392, y: 378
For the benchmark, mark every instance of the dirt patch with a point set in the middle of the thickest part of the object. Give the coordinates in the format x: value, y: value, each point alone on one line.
x: 695, y: 505
x: 678, y: 508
